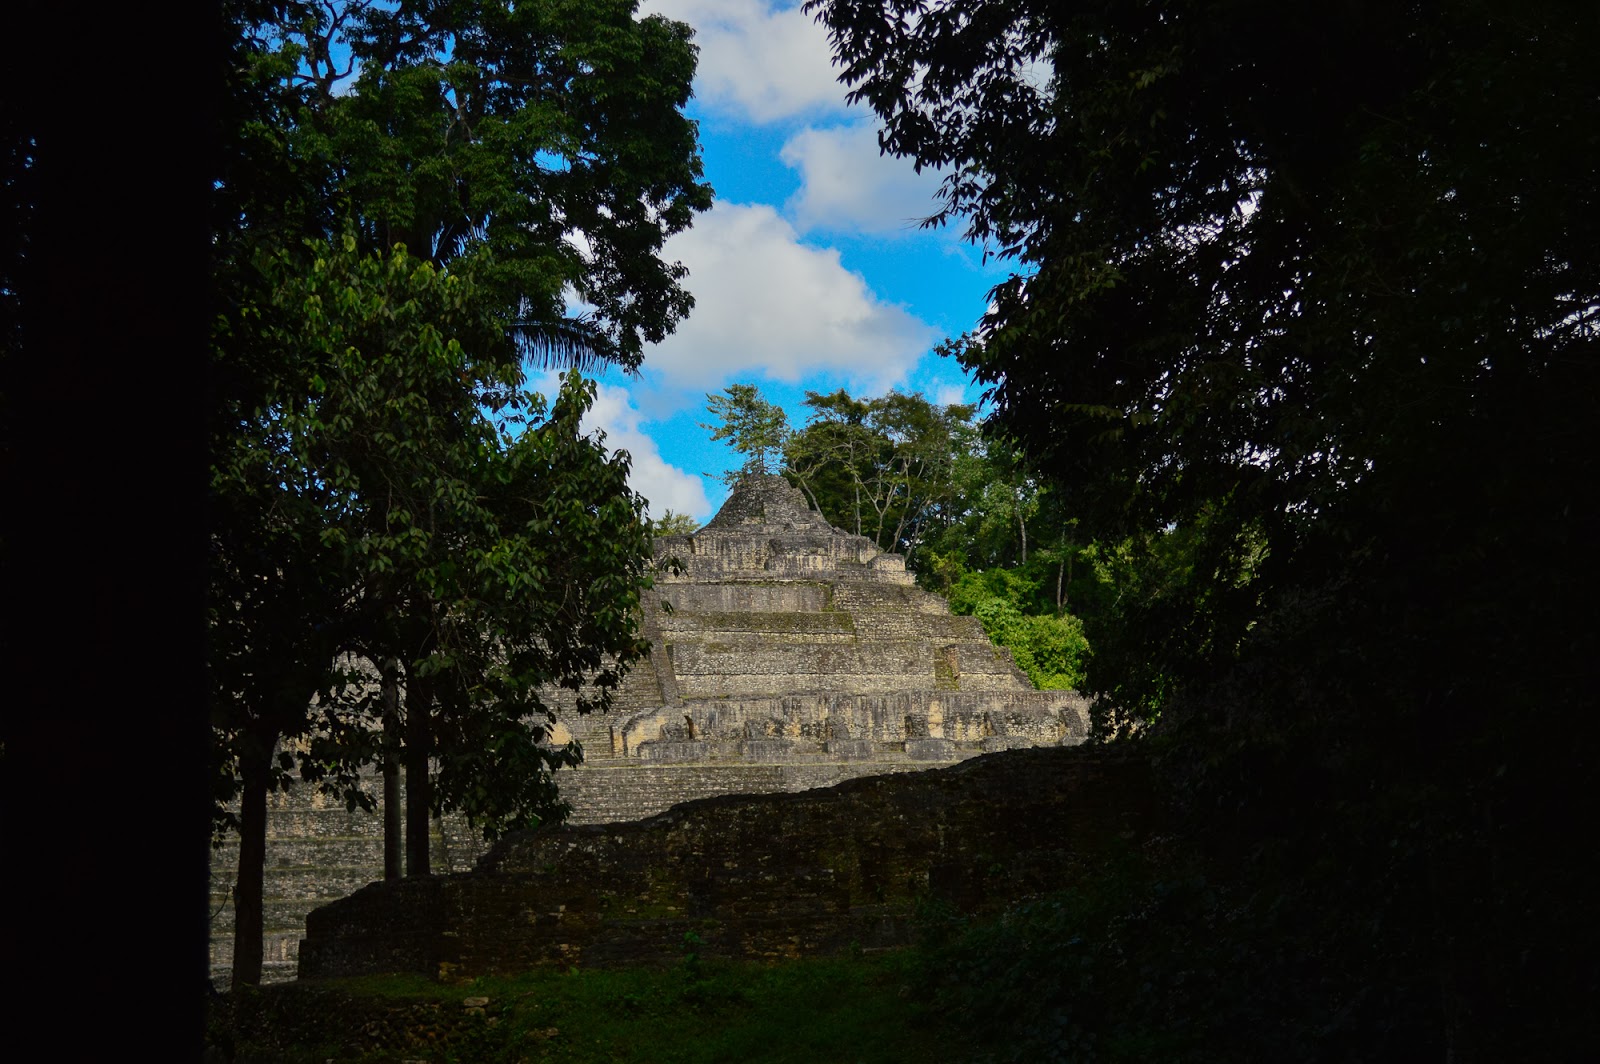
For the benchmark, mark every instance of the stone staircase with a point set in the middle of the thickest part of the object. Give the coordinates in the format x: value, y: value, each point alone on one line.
x: 783, y: 636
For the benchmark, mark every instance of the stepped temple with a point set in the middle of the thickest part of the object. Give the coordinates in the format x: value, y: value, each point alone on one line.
x: 786, y: 655
x: 792, y: 655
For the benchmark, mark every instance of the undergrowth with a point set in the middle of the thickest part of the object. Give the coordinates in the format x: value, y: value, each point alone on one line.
x: 850, y: 1009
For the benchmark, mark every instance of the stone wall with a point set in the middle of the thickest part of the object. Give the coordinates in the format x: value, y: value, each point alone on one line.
x: 763, y: 876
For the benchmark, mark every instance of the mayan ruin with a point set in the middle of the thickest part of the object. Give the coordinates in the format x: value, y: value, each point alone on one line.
x: 786, y: 655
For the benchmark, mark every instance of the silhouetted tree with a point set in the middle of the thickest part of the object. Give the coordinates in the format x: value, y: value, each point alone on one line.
x: 1307, y: 295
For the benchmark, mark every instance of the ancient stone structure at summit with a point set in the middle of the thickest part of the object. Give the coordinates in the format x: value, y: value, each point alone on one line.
x: 787, y: 654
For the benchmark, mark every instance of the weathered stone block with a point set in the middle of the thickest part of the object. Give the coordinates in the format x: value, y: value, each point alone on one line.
x: 852, y: 749
x: 673, y: 751
x: 931, y: 750
x: 764, y: 750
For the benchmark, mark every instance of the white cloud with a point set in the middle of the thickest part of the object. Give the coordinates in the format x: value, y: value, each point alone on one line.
x: 768, y: 305
x: 846, y: 184
x: 950, y: 395
x: 666, y: 486
x: 763, y: 62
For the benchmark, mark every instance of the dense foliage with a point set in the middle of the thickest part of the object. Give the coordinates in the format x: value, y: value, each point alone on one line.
x: 408, y: 194
x: 546, y: 141
x: 848, y: 1008
x: 1305, y: 314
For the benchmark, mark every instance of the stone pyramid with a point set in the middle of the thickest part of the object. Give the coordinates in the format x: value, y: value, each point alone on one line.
x: 788, y: 654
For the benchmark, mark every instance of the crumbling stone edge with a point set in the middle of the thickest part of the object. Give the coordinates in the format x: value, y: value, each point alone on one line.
x: 753, y: 876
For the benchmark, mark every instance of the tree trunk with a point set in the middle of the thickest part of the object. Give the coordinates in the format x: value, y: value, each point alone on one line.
x: 255, y: 767
x: 1022, y: 529
x: 419, y: 704
x: 809, y: 493
x: 858, y: 507
x: 1061, y: 569
x: 900, y: 526
x: 393, y: 843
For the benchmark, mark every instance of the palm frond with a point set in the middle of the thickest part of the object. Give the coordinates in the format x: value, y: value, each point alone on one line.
x: 568, y: 343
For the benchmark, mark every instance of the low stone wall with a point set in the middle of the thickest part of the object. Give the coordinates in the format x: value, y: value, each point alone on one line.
x: 318, y: 851
x: 753, y: 876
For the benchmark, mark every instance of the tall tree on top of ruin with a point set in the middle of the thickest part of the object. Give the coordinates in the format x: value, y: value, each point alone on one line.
x: 882, y: 467
x: 752, y: 426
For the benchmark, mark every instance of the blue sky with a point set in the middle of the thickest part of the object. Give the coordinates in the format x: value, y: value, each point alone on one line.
x: 808, y: 273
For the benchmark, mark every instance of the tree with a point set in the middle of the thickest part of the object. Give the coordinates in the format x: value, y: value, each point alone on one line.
x: 833, y: 457
x: 1312, y: 288
x: 999, y: 498
x: 480, y: 566
x: 752, y: 426
x: 1308, y: 208
x: 547, y: 138
x: 879, y: 467
x: 380, y: 484
x: 672, y: 523
x: 1051, y: 650
x: 916, y: 478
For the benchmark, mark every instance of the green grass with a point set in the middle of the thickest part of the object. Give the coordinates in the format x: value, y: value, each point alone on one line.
x: 839, y: 1010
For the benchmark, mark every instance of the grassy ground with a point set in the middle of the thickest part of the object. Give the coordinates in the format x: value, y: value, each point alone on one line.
x: 815, y: 1011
